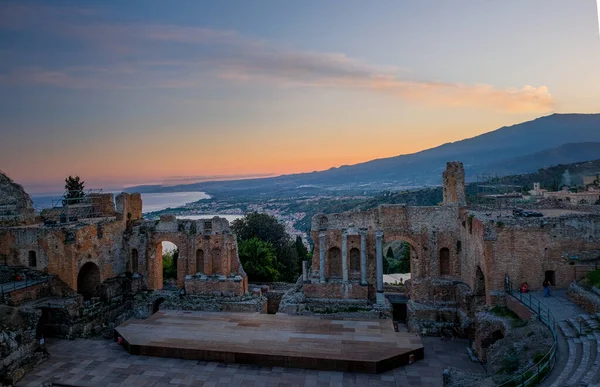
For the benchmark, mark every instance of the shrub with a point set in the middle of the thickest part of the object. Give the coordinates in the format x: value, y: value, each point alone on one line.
x: 593, y: 278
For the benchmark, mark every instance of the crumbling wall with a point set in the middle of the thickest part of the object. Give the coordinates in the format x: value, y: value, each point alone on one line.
x: 16, y: 206
x: 18, y: 343
x: 526, y: 248
x: 454, y: 184
x: 427, y: 229
x: 129, y: 206
x: 589, y: 301
x: 205, y: 246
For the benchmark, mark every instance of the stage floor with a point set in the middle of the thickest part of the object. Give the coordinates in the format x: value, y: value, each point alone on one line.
x: 279, y: 340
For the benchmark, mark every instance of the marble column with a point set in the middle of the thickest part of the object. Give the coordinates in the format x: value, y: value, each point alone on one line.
x: 345, y: 256
x: 379, y: 252
x: 304, y: 271
x: 322, y: 250
x: 363, y: 257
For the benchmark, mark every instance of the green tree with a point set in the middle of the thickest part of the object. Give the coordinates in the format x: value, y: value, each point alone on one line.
x: 258, y: 259
x: 404, y: 263
x: 74, y: 187
x: 301, y: 252
x: 169, y: 264
x: 267, y: 229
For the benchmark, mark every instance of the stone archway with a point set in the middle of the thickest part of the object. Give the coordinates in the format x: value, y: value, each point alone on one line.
x: 88, y: 280
x: 479, y: 285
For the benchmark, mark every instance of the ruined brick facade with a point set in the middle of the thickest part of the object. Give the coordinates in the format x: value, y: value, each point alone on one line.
x: 87, y: 252
x: 450, y: 246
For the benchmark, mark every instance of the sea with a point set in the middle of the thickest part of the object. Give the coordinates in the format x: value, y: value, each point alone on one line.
x: 150, y: 201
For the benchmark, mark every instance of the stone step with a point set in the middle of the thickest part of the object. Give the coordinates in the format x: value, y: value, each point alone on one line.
x: 566, y: 329
x: 571, y: 360
x: 582, y: 367
x: 595, y: 365
x: 590, y: 321
x: 578, y: 326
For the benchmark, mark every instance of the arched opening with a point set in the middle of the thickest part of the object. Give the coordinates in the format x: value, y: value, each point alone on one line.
x: 32, y: 259
x: 479, y: 286
x: 134, y: 261
x: 88, y: 280
x: 550, y: 276
x: 200, y: 261
x: 354, y: 263
x: 445, y: 261
x: 167, y: 256
x: 334, y: 258
x: 215, y: 257
x: 396, y: 260
x: 156, y: 304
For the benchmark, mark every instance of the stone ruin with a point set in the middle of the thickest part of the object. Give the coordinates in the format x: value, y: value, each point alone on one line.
x: 81, y: 276
x: 16, y: 206
x: 459, y: 259
x: 101, y: 268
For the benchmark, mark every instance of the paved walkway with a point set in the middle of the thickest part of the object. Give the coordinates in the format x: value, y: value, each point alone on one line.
x: 561, y: 308
x: 86, y: 362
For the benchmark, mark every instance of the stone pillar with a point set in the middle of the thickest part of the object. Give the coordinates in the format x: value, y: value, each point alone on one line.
x: 363, y: 257
x: 322, y: 250
x: 345, y: 256
x: 379, y: 254
x: 304, y: 271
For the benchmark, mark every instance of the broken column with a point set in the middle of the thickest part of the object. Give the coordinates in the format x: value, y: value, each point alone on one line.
x: 322, y: 249
x: 454, y: 184
x: 379, y: 253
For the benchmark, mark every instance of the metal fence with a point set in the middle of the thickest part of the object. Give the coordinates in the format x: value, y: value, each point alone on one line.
x: 7, y: 288
x: 535, y: 374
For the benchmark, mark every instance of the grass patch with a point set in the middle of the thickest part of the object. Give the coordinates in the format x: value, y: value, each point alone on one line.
x: 593, y: 278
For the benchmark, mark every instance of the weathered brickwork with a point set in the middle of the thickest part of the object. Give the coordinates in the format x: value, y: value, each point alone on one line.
x: 94, y: 250
x: 459, y: 258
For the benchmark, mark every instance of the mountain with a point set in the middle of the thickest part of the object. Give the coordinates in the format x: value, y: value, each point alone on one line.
x: 564, y: 154
x: 520, y: 148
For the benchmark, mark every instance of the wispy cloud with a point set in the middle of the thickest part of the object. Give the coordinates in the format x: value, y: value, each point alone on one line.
x: 171, y: 56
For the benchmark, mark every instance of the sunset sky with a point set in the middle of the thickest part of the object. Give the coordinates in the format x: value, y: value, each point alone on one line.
x: 130, y: 92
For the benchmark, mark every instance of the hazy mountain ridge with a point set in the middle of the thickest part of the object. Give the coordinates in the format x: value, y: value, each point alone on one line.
x: 520, y: 148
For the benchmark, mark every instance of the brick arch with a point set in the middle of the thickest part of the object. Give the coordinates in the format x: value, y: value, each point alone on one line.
x: 416, y: 251
x: 88, y: 280
x: 154, y: 258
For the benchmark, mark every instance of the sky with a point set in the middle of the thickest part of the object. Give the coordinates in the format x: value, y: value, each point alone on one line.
x: 144, y: 91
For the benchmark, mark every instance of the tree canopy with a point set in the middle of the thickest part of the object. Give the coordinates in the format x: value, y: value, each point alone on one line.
x: 258, y: 259
x: 74, y: 187
x: 267, y: 229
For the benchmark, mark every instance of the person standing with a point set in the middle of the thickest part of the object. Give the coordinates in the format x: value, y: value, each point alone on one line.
x: 546, y: 288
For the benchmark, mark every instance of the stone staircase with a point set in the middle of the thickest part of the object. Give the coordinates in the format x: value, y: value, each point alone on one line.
x: 583, y: 365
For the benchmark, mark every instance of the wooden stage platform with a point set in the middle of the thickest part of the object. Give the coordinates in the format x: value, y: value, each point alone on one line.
x: 279, y: 340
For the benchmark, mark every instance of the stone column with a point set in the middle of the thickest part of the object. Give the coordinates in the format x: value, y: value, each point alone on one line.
x: 379, y: 252
x: 363, y: 257
x: 345, y: 256
x: 322, y: 250
x: 304, y: 271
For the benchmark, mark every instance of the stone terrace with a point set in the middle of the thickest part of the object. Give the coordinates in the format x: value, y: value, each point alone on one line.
x: 103, y: 363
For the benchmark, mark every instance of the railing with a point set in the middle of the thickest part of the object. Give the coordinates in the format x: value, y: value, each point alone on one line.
x: 7, y: 288
x: 535, y: 374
